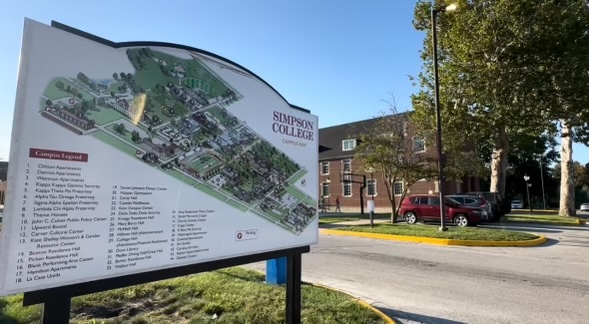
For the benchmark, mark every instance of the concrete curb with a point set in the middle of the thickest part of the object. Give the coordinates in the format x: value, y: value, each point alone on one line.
x: 578, y: 222
x: 437, y: 241
x: 387, y: 319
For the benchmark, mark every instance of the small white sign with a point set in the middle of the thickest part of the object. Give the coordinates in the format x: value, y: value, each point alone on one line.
x: 371, y: 205
x: 244, y: 235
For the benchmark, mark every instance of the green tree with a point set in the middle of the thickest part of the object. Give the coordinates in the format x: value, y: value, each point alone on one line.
x: 563, y: 52
x: 48, y: 102
x: 385, y: 149
x: 488, y: 92
x: 59, y: 85
x: 135, y: 137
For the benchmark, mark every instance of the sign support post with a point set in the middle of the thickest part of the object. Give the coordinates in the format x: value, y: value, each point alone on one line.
x: 293, y: 289
x: 57, y: 310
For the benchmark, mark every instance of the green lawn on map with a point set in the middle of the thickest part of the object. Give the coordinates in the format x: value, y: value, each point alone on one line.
x: 109, y: 139
x: 104, y: 115
x: 53, y: 93
x: 299, y: 195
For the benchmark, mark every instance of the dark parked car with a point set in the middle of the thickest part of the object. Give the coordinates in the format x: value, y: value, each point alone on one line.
x: 426, y: 208
x: 475, y: 201
x: 499, y: 205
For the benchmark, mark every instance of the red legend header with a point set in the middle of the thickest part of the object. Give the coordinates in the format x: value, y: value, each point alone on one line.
x: 58, y: 155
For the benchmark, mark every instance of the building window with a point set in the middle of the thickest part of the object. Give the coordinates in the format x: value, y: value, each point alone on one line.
x: 398, y: 188
x: 324, y: 168
x: 418, y: 145
x: 347, y: 165
x: 348, y: 144
x: 371, y: 187
x: 325, y: 190
x: 347, y: 189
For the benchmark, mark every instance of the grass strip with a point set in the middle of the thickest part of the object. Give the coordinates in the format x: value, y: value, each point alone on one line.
x: 232, y: 295
x: 453, y: 233
x: 542, y: 219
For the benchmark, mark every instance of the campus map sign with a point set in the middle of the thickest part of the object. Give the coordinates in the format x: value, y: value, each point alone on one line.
x: 127, y: 159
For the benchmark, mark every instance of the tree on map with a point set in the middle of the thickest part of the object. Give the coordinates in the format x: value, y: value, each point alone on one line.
x: 135, y: 137
x: 120, y: 128
x: 385, y: 149
x: 115, y: 76
x: 82, y: 77
x: 59, y: 85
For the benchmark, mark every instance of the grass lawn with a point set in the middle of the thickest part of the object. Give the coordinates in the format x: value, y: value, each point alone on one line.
x: 455, y: 233
x: 180, y: 176
x: 211, y: 192
x: 236, y: 204
x: 128, y: 137
x: 349, y: 217
x: 115, y: 142
x: 167, y: 101
x: 331, y: 220
x: 546, y: 219
x: 299, y: 195
x: 105, y: 115
x: 297, y: 176
x: 235, y: 295
x: 53, y: 93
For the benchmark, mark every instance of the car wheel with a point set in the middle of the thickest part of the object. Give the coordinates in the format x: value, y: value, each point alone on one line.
x: 461, y: 220
x: 410, y: 218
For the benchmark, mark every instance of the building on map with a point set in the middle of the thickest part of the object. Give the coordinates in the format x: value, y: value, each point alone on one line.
x: 124, y: 107
x: 336, y: 156
x: 73, y: 119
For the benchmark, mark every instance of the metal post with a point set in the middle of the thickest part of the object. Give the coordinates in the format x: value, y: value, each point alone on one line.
x: 542, y: 179
x: 57, y: 311
x: 372, y: 194
x: 362, y: 194
x: 293, y: 289
x: 441, y: 180
x: 529, y: 202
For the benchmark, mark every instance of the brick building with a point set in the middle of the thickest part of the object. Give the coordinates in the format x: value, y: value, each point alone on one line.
x: 337, y: 149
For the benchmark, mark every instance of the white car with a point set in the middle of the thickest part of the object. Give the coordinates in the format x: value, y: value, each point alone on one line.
x: 517, y: 204
x: 584, y: 207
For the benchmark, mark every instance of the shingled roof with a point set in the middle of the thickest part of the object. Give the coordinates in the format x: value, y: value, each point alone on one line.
x: 330, y: 138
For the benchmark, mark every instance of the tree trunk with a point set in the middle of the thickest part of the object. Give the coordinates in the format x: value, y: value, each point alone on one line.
x: 394, y: 214
x: 499, y: 159
x: 567, y: 177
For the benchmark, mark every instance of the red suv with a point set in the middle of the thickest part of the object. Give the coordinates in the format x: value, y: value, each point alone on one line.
x: 426, y: 208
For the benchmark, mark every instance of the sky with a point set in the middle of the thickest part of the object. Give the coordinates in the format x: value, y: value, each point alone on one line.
x: 339, y: 59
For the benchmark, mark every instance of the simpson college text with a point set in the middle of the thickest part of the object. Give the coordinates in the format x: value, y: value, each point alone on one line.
x: 293, y: 126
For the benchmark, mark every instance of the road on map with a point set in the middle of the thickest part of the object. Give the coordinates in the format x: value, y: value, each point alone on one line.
x: 418, y: 283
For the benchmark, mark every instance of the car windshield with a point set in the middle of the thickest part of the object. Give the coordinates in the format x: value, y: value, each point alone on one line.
x: 516, y: 201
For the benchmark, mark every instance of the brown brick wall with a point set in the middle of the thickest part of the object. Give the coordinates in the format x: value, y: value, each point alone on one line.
x: 382, y: 203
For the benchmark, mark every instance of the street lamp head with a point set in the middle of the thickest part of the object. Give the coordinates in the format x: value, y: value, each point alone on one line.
x: 451, y: 7
x: 526, y: 177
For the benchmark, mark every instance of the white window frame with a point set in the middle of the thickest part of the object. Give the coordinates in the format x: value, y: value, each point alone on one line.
x: 348, y: 144
x: 326, y: 164
x: 344, y: 190
x: 368, y: 181
x: 344, y: 162
x: 415, y: 138
x: 402, y: 187
x: 323, y: 185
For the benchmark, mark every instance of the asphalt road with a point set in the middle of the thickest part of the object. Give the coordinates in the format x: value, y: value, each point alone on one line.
x: 418, y: 283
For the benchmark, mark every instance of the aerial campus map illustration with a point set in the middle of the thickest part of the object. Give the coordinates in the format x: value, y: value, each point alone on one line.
x: 172, y: 114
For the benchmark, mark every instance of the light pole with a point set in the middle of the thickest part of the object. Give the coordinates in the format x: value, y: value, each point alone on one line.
x: 526, y: 179
x: 441, y: 180
x: 540, y: 156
